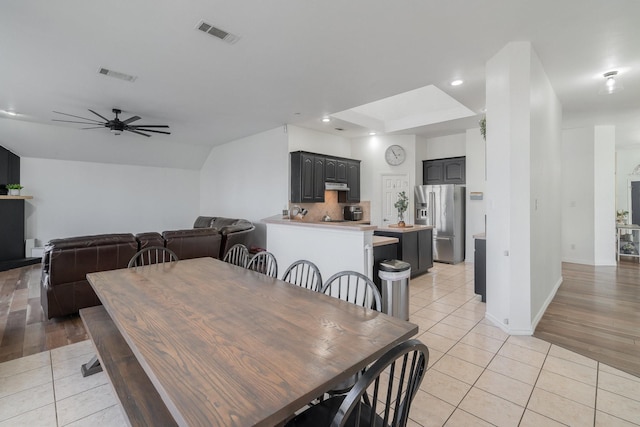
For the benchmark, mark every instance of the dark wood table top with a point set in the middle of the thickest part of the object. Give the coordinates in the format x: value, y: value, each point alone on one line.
x: 227, y: 346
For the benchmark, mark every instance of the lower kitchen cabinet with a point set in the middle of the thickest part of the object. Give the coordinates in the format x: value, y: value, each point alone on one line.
x: 380, y: 253
x: 414, y: 247
x: 480, y: 268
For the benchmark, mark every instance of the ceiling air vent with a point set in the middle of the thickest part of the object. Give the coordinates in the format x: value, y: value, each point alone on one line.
x: 117, y: 75
x: 217, y: 32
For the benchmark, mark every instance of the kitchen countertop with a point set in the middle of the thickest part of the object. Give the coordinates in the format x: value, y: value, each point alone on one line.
x: 480, y: 236
x: 347, y: 225
x: 383, y: 241
x: 413, y: 228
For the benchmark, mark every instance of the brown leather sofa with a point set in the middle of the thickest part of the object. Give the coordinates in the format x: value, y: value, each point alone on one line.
x: 233, y: 230
x: 64, y: 288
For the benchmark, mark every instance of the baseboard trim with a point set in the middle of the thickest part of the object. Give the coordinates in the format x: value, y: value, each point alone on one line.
x: 542, y: 310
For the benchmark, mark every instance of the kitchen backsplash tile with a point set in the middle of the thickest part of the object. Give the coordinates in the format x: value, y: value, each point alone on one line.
x: 331, y: 207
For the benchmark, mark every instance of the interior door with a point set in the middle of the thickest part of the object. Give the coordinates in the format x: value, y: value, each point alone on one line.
x: 391, y: 186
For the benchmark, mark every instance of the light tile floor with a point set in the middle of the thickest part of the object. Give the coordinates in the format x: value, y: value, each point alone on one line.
x: 478, y: 375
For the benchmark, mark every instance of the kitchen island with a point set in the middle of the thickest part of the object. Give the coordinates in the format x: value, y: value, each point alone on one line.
x: 332, y: 246
x: 415, y: 245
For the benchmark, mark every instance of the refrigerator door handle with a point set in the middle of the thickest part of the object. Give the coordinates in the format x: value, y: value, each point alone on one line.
x: 432, y: 208
x: 444, y: 238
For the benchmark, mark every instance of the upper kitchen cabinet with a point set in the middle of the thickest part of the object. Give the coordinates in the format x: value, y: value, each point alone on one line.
x: 307, y: 177
x: 444, y: 171
x: 335, y: 170
x: 353, y: 182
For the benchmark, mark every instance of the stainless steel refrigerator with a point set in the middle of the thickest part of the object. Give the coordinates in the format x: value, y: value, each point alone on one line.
x: 443, y: 207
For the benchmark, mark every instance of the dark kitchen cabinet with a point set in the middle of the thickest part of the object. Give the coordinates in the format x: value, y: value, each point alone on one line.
x: 335, y: 170
x: 12, y: 229
x: 307, y: 177
x: 480, y: 268
x: 353, y: 182
x: 9, y: 169
x: 444, y: 171
x: 414, y: 247
x: 310, y: 171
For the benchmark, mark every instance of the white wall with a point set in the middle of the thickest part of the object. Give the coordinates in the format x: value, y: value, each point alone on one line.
x: 523, y: 130
x: 545, y: 198
x: 578, y: 196
x: 446, y: 146
x: 371, y: 151
x: 475, y: 178
x: 604, y: 178
x: 588, y: 195
x: 301, y: 139
x: 80, y: 198
x: 247, y: 178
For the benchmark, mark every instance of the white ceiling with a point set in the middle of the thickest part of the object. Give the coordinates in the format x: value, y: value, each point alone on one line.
x: 295, y: 62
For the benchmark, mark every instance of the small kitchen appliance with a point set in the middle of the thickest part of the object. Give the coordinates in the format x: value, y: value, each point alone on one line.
x: 353, y: 213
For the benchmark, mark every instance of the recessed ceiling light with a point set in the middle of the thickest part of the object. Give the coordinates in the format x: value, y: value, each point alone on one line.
x: 457, y: 82
x: 326, y: 119
x: 372, y: 133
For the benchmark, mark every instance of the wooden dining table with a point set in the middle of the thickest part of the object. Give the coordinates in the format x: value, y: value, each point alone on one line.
x: 226, y: 346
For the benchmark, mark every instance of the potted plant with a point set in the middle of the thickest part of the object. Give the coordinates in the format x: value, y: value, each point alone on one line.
x: 483, y: 127
x: 14, y: 189
x: 401, y: 204
x: 621, y: 216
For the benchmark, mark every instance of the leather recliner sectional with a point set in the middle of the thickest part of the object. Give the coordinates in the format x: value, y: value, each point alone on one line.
x: 64, y: 288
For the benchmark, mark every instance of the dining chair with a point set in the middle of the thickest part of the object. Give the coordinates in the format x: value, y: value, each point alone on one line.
x: 264, y: 262
x: 152, y: 255
x: 358, y: 289
x: 381, y: 397
x: 238, y: 255
x: 304, y: 274
x: 355, y: 288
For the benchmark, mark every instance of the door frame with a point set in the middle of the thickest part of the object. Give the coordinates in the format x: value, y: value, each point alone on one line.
x: 631, y: 179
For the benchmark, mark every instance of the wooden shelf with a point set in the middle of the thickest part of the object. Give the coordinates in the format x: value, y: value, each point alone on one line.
x: 16, y: 197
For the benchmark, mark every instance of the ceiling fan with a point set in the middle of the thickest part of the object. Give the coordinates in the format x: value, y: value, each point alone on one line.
x: 116, y: 125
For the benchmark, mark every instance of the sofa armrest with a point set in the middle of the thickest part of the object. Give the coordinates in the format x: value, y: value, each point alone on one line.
x: 243, y: 226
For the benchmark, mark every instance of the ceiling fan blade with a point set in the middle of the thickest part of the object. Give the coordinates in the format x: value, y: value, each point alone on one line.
x: 139, y: 133
x: 72, y: 121
x: 96, y: 127
x: 78, y: 117
x: 148, y: 126
x: 131, y: 119
x: 154, y: 131
x: 102, y: 117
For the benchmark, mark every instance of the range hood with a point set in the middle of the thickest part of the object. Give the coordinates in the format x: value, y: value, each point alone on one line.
x: 336, y: 186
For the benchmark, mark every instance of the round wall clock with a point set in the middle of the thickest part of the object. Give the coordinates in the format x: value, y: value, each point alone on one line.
x: 395, y: 155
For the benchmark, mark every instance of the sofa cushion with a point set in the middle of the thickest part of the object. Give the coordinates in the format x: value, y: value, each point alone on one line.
x: 203, y: 222
x: 221, y: 222
x: 147, y: 240
x: 238, y: 225
x: 194, y: 242
x: 69, y: 260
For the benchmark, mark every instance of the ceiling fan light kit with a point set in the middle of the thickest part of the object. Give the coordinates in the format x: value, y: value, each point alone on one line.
x: 116, y: 126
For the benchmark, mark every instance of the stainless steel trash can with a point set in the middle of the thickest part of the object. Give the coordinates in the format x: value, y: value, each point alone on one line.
x: 394, y: 275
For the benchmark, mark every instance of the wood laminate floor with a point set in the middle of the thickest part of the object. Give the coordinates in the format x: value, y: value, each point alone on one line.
x: 23, y: 328
x: 596, y: 313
